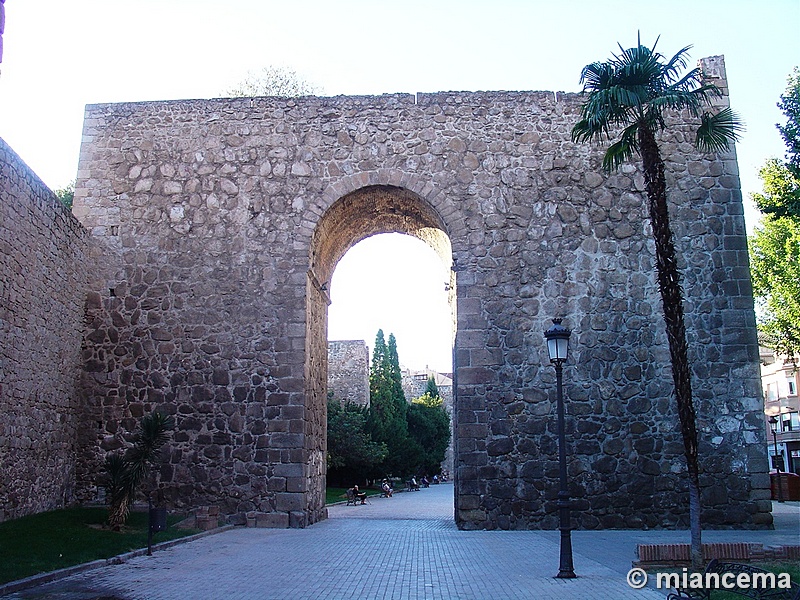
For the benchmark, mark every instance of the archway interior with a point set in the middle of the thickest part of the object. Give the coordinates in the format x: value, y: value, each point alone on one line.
x: 397, y: 283
x: 360, y: 214
x: 369, y: 211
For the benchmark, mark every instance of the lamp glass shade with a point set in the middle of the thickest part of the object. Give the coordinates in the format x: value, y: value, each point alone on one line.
x: 557, y: 341
x: 773, y: 423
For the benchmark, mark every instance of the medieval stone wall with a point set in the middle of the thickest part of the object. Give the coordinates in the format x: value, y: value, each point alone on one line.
x: 43, y: 281
x: 348, y: 371
x: 221, y: 222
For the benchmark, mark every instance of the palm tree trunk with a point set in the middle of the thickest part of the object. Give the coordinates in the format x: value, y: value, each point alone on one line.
x: 672, y: 299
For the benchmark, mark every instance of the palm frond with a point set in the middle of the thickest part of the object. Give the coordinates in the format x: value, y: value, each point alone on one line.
x: 717, y: 131
x: 621, y: 150
x: 672, y: 68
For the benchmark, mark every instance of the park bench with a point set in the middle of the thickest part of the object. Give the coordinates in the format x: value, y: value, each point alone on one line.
x: 351, y: 497
x: 714, y: 573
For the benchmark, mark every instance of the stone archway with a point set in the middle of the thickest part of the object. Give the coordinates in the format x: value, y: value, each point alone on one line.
x: 214, y: 227
x: 366, y: 211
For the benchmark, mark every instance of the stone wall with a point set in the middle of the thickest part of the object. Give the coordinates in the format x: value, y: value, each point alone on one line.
x: 42, y: 288
x: 221, y: 222
x: 348, y: 371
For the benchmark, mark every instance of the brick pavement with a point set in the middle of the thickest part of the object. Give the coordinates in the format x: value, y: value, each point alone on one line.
x: 406, y: 547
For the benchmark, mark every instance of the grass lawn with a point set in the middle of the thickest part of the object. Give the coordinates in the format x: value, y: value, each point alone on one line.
x: 63, y: 538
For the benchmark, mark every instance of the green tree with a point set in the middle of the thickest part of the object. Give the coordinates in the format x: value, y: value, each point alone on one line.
x: 775, y: 268
x: 387, y: 408
x: 781, y: 194
x: 125, y: 472
x: 429, y: 427
x: 628, y: 96
x: 66, y: 194
x: 775, y: 245
x: 432, y: 389
x: 273, y: 81
x: 352, y: 454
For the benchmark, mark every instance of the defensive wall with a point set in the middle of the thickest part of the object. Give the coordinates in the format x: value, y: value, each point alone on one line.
x: 216, y: 227
x: 43, y: 284
x: 348, y: 371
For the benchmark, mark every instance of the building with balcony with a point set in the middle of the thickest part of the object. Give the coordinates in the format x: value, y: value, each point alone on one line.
x: 780, y: 378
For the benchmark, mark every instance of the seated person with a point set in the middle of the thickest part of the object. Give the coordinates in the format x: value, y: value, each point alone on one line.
x: 360, y: 495
x: 435, y: 479
x: 412, y: 484
x: 425, y: 482
x: 387, y: 489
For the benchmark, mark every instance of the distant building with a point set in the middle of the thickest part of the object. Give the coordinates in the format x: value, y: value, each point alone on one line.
x: 780, y: 379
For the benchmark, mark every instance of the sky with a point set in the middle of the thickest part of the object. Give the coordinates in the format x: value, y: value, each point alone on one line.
x: 60, y: 55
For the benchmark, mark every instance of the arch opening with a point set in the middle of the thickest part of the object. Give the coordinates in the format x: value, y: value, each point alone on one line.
x: 368, y: 211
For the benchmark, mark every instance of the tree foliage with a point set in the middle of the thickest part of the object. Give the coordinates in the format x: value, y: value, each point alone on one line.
x: 417, y: 435
x: 352, y: 453
x: 66, y: 194
x: 775, y: 268
x: 273, y: 81
x: 629, y: 97
x: 429, y: 427
x: 775, y: 245
x: 781, y: 179
x: 125, y: 472
x: 387, y: 411
x: 431, y: 389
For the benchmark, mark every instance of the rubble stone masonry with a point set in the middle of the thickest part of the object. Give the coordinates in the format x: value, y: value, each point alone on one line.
x: 43, y: 284
x: 348, y: 371
x: 216, y: 227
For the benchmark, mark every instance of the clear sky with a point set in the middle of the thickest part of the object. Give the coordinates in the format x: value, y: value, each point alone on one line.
x: 60, y: 55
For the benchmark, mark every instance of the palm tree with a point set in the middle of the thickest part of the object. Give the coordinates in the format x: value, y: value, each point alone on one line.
x: 629, y: 96
x: 124, y: 473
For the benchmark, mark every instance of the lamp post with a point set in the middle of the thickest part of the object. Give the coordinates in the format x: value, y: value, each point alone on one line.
x: 557, y: 345
x: 773, y: 424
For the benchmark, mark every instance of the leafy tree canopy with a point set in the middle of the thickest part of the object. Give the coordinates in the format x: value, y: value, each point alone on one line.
x: 775, y: 245
x: 66, y: 194
x: 352, y: 453
x: 775, y: 267
x: 429, y: 427
x: 781, y: 193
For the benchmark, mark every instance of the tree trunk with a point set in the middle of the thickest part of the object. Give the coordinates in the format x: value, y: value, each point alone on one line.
x: 672, y: 299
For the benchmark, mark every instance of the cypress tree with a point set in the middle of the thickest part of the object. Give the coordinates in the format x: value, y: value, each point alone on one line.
x: 387, y: 408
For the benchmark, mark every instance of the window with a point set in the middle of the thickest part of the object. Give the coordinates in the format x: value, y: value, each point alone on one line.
x: 792, y: 388
x: 772, y: 392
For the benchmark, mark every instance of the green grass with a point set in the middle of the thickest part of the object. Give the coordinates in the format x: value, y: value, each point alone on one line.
x: 63, y: 538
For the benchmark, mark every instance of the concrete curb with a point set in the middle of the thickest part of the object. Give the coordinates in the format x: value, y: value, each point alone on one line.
x: 42, y: 578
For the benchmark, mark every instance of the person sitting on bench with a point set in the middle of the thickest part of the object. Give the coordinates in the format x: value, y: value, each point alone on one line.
x: 387, y: 489
x: 360, y: 495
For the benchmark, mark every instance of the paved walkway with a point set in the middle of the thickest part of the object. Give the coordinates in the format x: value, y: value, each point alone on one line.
x: 405, y: 547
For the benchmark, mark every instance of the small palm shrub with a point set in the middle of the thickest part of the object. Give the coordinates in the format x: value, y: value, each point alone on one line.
x: 125, y: 472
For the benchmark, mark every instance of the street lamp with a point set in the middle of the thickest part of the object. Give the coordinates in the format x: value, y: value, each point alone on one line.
x: 557, y: 345
x: 773, y: 424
